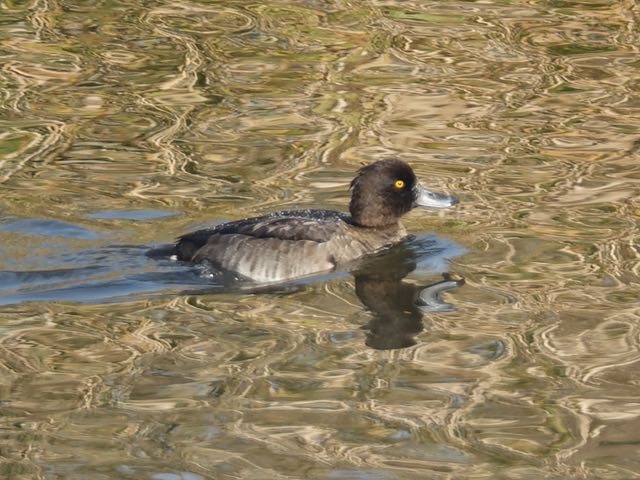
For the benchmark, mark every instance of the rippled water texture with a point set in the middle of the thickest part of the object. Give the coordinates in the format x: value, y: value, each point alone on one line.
x: 125, y: 124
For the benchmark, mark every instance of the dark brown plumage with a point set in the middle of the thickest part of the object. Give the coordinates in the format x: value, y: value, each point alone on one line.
x: 291, y: 244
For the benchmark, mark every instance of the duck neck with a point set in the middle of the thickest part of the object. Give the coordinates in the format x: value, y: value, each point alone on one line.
x: 364, y: 215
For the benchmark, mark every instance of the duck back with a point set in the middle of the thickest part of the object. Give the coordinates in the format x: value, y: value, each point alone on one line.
x: 286, y: 244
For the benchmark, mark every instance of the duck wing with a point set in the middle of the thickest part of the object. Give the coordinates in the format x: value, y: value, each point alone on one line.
x: 266, y: 259
x: 313, y: 225
x: 269, y: 248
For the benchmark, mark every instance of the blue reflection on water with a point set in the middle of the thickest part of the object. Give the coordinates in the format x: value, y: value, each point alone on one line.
x: 124, y: 272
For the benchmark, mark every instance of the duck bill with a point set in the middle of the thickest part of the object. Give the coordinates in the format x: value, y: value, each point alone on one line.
x: 428, y: 199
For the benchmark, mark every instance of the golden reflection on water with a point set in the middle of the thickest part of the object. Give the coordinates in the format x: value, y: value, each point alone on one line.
x: 527, y: 110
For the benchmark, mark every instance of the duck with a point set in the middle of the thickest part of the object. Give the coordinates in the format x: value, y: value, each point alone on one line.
x: 290, y: 244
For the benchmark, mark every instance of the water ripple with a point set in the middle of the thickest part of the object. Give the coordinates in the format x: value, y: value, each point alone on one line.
x: 119, y: 365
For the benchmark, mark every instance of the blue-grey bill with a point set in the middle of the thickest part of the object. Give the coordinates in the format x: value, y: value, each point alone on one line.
x: 427, y: 198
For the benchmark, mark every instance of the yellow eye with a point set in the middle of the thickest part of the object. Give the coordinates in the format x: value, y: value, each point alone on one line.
x: 399, y: 184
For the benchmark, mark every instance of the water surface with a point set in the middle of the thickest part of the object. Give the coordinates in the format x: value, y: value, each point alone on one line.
x: 126, y: 124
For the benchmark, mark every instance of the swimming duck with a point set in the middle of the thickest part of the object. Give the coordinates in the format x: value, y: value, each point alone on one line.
x: 294, y: 243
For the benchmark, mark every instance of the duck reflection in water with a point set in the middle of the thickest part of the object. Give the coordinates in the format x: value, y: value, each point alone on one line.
x: 397, y: 306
